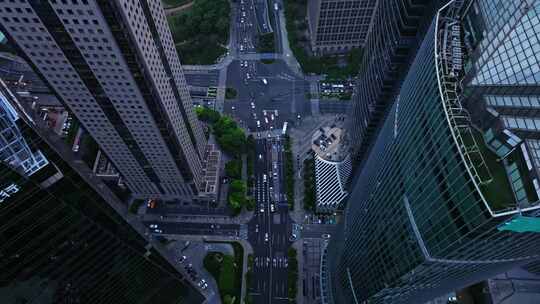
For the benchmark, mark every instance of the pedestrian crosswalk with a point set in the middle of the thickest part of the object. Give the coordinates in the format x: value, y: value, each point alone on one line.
x: 267, y: 262
x: 243, y: 232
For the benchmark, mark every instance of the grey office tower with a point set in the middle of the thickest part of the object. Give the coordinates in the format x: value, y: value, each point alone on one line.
x: 114, y: 65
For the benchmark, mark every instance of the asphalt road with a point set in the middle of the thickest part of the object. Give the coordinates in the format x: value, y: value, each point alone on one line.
x: 202, y: 78
x: 262, y: 16
x: 190, y: 228
x: 283, y: 92
x: 246, y: 27
x: 163, y: 209
x: 269, y: 232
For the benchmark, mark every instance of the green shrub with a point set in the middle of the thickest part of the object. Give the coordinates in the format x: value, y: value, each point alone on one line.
x: 233, y: 169
x: 230, y: 93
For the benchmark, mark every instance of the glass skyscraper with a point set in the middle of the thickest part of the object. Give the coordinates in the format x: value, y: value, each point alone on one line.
x: 449, y: 194
x: 60, y: 242
x: 397, y: 31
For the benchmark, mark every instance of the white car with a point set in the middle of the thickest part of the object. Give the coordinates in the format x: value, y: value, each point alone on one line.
x: 153, y: 225
x: 158, y: 231
x: 252, y: 105
x: 258, y: 123
x: 260, y: 157
x: 266, y: 119
x: 266, y: 237
x: 272, y: 208
x: 326, y: 236
x: 272, y: 117
x: 262, y: 209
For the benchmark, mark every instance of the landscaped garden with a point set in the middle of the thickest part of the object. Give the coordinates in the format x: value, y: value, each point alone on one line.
x: 201, y: 32
x: 309, y: 184
x: 227, y: 271
x: 232, y: 140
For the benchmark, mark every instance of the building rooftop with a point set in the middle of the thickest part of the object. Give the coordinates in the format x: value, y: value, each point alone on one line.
x: 210, y: 184
x: 328, y: 143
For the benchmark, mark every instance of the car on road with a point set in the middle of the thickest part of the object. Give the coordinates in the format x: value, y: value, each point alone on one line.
x: 272, y: 117
x: 252, y: 104
x: 258, y: 134
x: 265, y: 81
x: 326, y: 236
x: 153, y: 225
x: 272, y: 208
x: 260, y: 156
x: 266, y: 120
x: 264, y: 178
x: 266, y: 237
x: 257, y: 228
x: 182, y: 259
x: 262, y: 209
x: 258, y: 123
x: 151, y: 203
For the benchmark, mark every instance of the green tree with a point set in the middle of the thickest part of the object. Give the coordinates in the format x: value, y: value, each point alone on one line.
x: 237, y: 194
x: 233, y: 169
x: 207, y: 115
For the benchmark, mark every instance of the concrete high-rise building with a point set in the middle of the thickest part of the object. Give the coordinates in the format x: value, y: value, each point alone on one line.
x: 115, y: 66
x: 397, y: 30
x: 60, y: 240
x: 337, y: 26
x: 449, y: 194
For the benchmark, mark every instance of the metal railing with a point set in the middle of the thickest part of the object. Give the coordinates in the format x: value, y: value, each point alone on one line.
x: 449, y: 61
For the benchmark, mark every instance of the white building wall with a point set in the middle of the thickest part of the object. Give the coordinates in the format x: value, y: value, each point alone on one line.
x: 331, y: 178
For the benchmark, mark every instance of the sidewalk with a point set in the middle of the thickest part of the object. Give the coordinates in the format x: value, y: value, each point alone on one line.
x: 300, y: 282
x: 288, y: 55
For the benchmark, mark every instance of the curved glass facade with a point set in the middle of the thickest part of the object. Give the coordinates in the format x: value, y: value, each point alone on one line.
x: 424, y: 214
